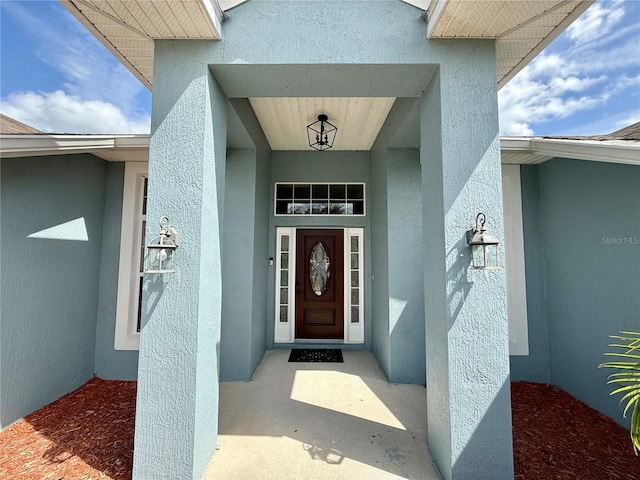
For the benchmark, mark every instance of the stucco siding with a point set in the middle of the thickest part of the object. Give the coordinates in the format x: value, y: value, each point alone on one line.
x: 52, y: 219
x: 406, y: 285
x: 591, y: 229
x: 259, y: 315
x: 379, y: 260
x: 111, y: 364
x: 237, y: 265
x: 535, y: 366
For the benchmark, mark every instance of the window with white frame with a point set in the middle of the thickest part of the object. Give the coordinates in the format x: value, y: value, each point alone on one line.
x: 131, y: 266
x: 319, y: 199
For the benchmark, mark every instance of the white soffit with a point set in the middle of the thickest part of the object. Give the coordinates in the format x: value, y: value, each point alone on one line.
x: 522, y: 28
x: 128, y: 27
x: 358, y: 119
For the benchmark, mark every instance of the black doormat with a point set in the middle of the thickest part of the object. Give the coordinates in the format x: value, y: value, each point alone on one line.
x: 333, y: 355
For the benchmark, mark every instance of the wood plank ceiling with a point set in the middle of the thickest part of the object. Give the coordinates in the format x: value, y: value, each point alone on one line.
x: 358, y: 119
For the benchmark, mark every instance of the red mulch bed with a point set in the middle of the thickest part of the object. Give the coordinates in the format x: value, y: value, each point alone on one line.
x: 558, y: 437
x: 88, y: 434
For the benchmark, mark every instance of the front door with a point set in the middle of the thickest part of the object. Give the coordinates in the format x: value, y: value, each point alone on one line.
x: 319, y: 284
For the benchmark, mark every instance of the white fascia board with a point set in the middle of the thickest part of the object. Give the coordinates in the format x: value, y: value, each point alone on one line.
x: 229, y: 4
x: 515, y: 144
x: 215, y: 15
x: 34, y: 145
x: 593, y: 150
x: 132, y: 141
x: 586, y: 150
x: 421, y: 4
x: 432, y: 20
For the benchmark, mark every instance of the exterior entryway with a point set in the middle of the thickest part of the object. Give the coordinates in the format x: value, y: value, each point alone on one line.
x: 319, y: 278
x: 321, y: 421
x: 319, y: 284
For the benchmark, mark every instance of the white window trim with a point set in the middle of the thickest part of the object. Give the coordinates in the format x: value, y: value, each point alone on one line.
x: 514, y: 261
x: 353, y: 332
x: 284, y: 332
x: 131, y: 234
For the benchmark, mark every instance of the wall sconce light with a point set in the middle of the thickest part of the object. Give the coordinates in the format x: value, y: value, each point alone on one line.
x: 162, y: 248
x: 321, y: 134
x: 484, y: 246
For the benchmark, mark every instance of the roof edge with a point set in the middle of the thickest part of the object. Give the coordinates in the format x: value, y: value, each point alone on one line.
x: 555, y: 33
x: 16, y: 146
x: 21, y: 145
x: 77, y: 14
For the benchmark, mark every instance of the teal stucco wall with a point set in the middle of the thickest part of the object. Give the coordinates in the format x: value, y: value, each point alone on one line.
x: 380, y: 260
x: 50, y: 277
x: 465, y: 309
x: 398, y: 334
x: 245, y: 245
x: 237, y: 265
x: 535, y: 366
x: 176, y: 431
x: 406, y: 285
x: 111, y: 364
x: 244, y: 267
x: 581, y: 224
x: 260, y: 295
x: 591, y: 234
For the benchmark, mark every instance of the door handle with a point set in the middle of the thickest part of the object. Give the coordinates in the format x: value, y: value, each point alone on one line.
x: 298, y: 291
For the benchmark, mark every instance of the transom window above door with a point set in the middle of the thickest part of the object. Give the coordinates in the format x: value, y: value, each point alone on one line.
x: 319, y: 199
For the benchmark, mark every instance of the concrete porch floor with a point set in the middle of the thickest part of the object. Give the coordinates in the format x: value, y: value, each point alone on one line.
x: 321, y: 421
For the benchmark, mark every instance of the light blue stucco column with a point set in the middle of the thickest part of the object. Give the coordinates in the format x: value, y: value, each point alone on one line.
x: 177, y: 405
x: 468, y: 395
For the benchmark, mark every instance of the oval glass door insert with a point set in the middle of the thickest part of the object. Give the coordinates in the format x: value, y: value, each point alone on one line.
x: 319, y: 270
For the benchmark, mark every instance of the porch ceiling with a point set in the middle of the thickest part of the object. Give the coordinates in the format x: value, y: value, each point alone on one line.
x: 522, y: 29
x: 359, y: 119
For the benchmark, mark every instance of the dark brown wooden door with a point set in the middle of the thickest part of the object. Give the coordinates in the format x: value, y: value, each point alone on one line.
x: 320, y: 284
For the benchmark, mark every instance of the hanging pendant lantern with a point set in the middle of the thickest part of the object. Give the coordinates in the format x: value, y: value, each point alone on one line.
x: 321, y: 134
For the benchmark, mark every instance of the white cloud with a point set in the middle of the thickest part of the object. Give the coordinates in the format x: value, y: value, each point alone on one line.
x: 97, y: 94
x: 597, y: 62
x: 538, y: 94
x: 629, y: 120
x: 599, y: 20
x: 58, y: 112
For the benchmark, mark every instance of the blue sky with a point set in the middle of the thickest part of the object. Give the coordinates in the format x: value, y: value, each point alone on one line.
x: 55, y: 76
